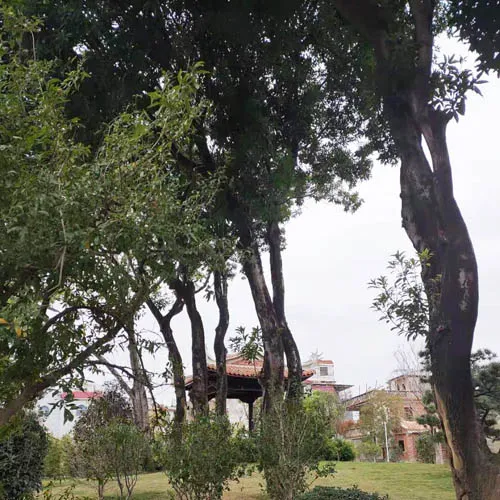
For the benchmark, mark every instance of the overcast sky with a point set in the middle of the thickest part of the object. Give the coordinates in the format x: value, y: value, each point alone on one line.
x: 330, y: 257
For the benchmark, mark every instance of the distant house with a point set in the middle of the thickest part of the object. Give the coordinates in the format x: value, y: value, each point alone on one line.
x: 323, y: 378
x: 53, y: 416
x: 410, y: 389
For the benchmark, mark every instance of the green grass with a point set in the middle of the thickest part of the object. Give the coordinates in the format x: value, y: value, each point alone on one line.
x: 401, y: 481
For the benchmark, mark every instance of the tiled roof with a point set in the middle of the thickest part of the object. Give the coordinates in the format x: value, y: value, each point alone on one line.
x: 251, y: 369
x: 412, y: 426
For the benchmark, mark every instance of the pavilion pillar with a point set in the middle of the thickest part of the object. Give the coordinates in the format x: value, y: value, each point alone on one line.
x: 250, y: 416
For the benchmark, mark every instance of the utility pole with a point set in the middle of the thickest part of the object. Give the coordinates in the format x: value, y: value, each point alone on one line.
x: 385, y: 434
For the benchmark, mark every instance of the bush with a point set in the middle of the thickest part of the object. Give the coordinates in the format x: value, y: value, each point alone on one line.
x: 330, y: 493
x: 340, y: 450
x: 426, y: 449
x: 127, y: 450
x: 291, y: 444
x: 22, y: 452
x: 201, y: 458
x: 368, y: 450
x: 246, y: 446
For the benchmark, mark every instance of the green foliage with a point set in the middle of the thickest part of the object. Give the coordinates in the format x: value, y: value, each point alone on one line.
x: 291, y: 444
x: 249, y: 345
x: 477, y: 24
x: 381, y: 408
x: 332, y: 493
x: 246, y: 445
x: 401, y: 300
x: 486, y: 380
x: 57, y: 461
x: 369, y: 450
x: 22, y: 451
x: 340, y: 450
x: 201, y: 458
x: 426, y: 448
x: 431, y: 417
x: 127, y: 449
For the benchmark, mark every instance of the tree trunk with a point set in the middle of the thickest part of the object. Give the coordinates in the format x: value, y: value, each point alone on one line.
x: 433, y: 222
x: 220, y: 288
x: 138, y: 392
x: 272, y: 377
x: 186, y: 290
x: 174, y: 355
x: 294, y: 364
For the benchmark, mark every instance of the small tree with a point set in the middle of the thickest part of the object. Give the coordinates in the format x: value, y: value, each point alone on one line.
x: 291, y: 443
x: 127, y: 448
x: 22, y: 451
x: 200, y: 463
x: 426, y: 448
x: 369, y: 450
x: 92, y: 440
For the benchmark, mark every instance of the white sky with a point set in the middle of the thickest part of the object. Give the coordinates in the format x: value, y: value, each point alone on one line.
x: 330, y: 257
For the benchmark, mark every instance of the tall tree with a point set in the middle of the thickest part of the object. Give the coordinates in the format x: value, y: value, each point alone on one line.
x: 419, y: 100
x: 279, y: 128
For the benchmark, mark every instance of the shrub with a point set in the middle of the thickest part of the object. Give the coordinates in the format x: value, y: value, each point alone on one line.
x: 127, y: 450
x: 331, y: 493
x: 368, y: 450
x: 426, y: 449
x: 22, y: 452
x: 291, y: 444
x: 201, y: 459
x: 246, y: 446
x: 340, y: 450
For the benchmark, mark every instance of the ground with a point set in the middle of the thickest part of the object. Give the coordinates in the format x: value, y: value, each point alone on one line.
x: 402, y: 481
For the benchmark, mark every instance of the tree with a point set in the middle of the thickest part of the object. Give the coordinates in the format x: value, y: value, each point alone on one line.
x: 278, y: 129
x: 92, y: 441
x: 56, y: 253
x: 23, y: 447
x: 486, y: 379
x: 419, y: 99
x: 127, y: 448
x: 380, y: 417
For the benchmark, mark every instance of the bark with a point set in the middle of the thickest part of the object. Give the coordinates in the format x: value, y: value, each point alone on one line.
x: 272, y: 376
x: 199, y: 393
x: 138, y: 393
x: 174, y: 355
x: 293, y: 361
x: 433, y: 222
x: 220, y: 289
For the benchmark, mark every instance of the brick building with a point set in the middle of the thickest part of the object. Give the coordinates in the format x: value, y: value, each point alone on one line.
x: 409, y: 390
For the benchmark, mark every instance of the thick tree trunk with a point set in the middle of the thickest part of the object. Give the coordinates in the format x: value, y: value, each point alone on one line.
x: 174, y: 356
x: 294, y: 364
x: 272, y: 378
x: 199, y: 392
x: 433, y: 222
x: 273, y: 372
x: 138, y: 392
x: 220, y: 289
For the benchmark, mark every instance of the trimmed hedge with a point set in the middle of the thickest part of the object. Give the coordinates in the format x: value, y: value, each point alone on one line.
x: 333, y: 493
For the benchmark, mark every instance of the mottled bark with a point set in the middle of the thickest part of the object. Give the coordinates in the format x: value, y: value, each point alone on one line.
x: 433, y: 222
x: 293, y: 361
x: 174, y: 355
x: 199, y: 392
x: 138, y: 393
x: 220, y: 289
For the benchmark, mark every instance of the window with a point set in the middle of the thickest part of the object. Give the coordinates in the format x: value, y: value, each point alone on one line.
x: 401, y: 445
x: 80, y: 409
x: 323, y: 371
x: 44, y: 411
x: 408, y: 413
x: 404, y: 387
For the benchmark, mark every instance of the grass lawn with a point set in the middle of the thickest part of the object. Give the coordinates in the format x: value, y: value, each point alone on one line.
x: 401, y: 481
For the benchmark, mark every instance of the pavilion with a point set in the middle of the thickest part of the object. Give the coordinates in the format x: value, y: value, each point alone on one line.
x: 242, y: 381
